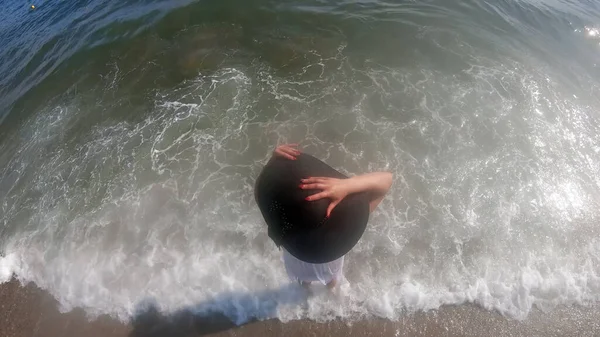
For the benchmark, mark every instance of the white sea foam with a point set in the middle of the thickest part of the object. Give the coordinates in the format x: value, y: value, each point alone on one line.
x: 8, y: 265
x: 494, y: 201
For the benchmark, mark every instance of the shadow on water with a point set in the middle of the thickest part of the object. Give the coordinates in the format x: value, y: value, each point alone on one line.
x: 222, y: 312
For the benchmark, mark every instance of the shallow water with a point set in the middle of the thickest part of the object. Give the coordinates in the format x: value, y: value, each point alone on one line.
x: 133, y: 131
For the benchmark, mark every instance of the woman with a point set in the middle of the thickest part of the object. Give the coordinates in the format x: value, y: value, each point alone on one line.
x: 297, y: 225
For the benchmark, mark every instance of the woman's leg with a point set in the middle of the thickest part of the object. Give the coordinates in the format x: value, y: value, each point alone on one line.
x: 336, y: 269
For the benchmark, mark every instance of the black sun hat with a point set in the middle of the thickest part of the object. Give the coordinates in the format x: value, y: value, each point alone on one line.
x: 301, y: 226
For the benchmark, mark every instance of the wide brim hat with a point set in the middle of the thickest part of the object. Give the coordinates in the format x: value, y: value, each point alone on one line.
x: 301, y: 226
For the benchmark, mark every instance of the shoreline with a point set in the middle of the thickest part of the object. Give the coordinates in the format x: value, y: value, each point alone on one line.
x: 28, y: 311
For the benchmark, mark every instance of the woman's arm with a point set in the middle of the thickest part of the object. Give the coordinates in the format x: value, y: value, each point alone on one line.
x: 376, y: 184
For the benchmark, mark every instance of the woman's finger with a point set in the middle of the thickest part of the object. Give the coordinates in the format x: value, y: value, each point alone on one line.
x: 331, y: 207
x: 316, y: 186
x: 290, y: 151
x: 285, y: 155
x: 312, y: 180
x: 317, y: 196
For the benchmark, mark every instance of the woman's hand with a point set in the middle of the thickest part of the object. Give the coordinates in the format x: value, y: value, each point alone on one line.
x: 377, y: 184
x: 288, y: 151
x: 331, y: 188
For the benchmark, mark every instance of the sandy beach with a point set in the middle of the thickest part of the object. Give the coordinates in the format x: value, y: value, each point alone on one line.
x: 28, y: 311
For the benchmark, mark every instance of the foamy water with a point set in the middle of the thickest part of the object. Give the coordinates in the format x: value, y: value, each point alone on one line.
x: 495, y: 199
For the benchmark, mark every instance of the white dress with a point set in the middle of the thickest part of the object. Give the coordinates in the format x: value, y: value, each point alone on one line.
x: 299, y: 270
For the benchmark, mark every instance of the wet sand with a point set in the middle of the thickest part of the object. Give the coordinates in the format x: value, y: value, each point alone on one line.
x: 27, y: 311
